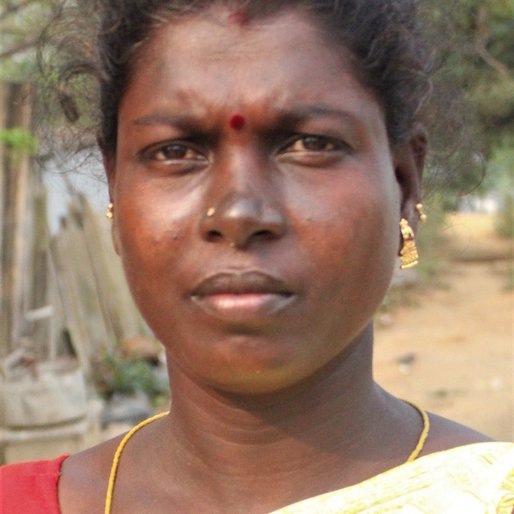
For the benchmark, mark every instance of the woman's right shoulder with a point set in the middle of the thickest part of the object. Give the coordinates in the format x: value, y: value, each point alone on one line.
x: 84, y: 478
x: 65, y: 485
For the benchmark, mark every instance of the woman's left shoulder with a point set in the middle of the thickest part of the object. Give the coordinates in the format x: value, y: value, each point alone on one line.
x: 458, y: 458
x: 445, y: 434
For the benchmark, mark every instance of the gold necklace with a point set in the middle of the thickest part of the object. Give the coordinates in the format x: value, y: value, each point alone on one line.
x: 424, y: 433
x: 117, y: 455
x: 116, y: 460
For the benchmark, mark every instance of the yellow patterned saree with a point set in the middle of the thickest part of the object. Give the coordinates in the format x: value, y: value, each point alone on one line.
x: 472, y: 479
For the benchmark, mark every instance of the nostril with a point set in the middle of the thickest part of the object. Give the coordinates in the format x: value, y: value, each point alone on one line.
x: 214, y: 235
x: 264, y: 234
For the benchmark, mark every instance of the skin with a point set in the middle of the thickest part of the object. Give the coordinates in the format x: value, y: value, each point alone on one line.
x: 280, y: 209
x: 274, y: 404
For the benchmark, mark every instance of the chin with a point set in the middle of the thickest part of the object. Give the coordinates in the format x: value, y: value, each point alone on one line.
x: 251, y: 367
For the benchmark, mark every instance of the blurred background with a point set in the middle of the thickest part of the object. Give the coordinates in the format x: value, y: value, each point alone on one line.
x: 77, y: 362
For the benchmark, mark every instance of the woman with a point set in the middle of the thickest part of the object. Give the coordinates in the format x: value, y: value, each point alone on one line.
x: 264, y: 162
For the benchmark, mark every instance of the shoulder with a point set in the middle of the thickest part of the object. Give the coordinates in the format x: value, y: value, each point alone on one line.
x: 84, y: 478
x: 31, y: 487
x: 478, y: 476
x: 473, y: 478
x: 462, y: 463
x: 445, y: 434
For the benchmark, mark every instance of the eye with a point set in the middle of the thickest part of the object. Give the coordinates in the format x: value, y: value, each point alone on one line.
x: 175, y: 157
x: 311, y: 143
x: 174, y: 152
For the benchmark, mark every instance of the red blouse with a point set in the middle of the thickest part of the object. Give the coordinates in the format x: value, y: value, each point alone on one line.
x: 30, y: 487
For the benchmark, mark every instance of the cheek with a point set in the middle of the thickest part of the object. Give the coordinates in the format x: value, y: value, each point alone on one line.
x: 374, y: 233
x: 355, y: 214
x: 356, y: 238
x: 148, y: 242
x: 153, y: 215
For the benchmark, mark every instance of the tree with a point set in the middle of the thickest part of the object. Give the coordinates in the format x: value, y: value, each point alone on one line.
x: 487, y: 64
x: 475, y: 43
x: 21, y: 22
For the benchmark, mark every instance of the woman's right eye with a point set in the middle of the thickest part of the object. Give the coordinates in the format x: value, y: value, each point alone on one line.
x: 173, y: 152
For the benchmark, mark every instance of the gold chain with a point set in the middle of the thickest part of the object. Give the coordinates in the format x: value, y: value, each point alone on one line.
x: 424, y: 433
x: 117, y: 455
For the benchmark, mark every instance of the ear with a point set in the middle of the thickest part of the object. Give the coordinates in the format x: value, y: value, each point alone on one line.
x: 409, y: 161
x: 109, y: 162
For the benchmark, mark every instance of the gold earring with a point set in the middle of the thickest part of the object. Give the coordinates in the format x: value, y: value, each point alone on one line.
x: 110, y: 211
x: 409, y: 253
x: 422, y: 216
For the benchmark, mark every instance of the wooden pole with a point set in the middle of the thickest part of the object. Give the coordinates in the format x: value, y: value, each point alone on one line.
x: 38, y: 297
x: 3, y: 124
x: 16, y: 213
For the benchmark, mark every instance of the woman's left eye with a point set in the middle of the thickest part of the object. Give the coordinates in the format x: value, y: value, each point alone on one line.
x: 313, y: 144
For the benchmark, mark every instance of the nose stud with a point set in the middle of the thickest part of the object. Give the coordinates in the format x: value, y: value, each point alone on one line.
x: 210, y: 212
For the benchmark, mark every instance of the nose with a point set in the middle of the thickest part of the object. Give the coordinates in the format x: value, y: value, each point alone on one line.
x: 241, y: 218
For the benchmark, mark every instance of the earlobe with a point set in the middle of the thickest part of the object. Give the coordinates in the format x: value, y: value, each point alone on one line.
x: 409, y: 161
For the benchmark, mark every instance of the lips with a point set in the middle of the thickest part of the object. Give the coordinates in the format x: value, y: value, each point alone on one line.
x: 242, y: 296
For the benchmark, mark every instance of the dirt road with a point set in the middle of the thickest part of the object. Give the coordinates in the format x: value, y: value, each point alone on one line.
x: 453, y: 351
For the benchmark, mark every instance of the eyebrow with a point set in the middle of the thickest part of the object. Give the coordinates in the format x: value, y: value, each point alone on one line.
x: 309, y: 111
x: 302, y: 113
x: 285, y: 117
x: 165, y: 119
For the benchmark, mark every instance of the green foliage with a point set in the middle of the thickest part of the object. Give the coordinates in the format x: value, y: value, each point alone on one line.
x: 114, y: 374
x: 484, y: 60
x: 19, y: 143
x: 19, y: 140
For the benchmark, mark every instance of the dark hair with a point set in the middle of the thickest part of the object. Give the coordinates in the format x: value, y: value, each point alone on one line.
x: 383, y: 38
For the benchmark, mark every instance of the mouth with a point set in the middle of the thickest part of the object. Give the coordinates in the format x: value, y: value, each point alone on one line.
x: 242, y: 296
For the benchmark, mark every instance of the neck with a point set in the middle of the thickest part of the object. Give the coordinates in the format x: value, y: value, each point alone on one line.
x: 330, y: 423
x: 332, y: 396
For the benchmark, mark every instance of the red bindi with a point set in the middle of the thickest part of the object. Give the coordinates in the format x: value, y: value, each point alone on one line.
x: 237, y: 121
x: 239, y: 17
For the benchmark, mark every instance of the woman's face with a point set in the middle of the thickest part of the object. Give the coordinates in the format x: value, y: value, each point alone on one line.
x: 256, y: 204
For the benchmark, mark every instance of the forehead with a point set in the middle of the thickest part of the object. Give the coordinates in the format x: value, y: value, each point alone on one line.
x: 209, y: 60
